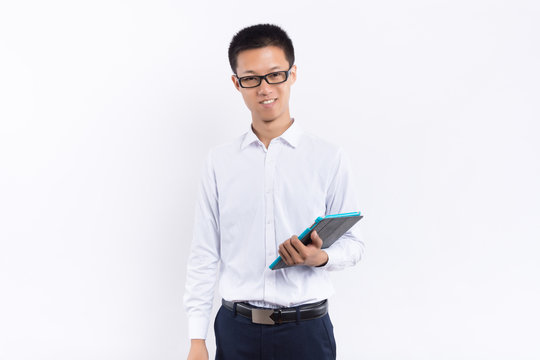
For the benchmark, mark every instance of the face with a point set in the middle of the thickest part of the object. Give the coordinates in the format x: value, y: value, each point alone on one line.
x: 267, y: 102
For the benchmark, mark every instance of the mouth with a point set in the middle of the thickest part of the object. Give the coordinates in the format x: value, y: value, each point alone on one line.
x: 267, y: 101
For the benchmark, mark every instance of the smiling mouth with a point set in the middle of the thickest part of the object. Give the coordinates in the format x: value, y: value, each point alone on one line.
x: 269, y: 101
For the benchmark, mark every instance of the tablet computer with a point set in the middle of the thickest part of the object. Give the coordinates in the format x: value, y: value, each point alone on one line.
x: 330, y: 228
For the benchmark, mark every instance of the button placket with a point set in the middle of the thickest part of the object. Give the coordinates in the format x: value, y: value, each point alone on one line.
x: 270, y: 253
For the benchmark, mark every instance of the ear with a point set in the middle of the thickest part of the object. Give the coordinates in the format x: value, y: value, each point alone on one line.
x: 292, y: 74
x: 235, y: 82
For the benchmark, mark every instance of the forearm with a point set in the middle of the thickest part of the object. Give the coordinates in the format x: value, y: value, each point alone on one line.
x: 341, y: 198
x: 345, y: 252
x: 199, y: 294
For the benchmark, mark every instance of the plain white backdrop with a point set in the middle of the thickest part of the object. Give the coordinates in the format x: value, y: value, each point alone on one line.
x: 108, y: 108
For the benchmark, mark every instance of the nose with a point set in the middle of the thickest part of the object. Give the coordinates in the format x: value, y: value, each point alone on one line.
x: 264, y: 89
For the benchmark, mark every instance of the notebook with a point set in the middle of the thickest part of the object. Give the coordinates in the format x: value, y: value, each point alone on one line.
x: 330, y: 228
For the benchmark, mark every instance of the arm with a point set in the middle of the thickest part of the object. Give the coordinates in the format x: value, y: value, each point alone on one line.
x: 341, y: 198
x: 348, y: 250
x: 204, y: 256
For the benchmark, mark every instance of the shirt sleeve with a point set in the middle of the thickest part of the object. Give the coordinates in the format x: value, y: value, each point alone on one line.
x: 341, y: 198
x: 204, y: 256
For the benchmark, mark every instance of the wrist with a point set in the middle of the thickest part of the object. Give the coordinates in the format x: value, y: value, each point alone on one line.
x: 198, y: 350
x: 198, y: 342
x: 323, y: 259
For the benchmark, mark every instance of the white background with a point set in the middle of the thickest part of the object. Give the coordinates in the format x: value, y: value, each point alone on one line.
x: 107, y: 110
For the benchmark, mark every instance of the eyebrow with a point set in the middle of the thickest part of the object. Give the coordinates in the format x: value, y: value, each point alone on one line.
x: 254, y: 73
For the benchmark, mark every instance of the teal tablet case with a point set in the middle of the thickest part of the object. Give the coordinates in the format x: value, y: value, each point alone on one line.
x: 330, y: 229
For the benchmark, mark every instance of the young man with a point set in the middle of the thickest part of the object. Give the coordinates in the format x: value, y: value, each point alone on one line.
x: 256, y: 193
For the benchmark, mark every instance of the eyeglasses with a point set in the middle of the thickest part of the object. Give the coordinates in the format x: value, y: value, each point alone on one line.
x: 276, y: 77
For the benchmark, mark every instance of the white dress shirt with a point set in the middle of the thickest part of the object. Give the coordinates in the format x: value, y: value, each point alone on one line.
x: 252, y: 199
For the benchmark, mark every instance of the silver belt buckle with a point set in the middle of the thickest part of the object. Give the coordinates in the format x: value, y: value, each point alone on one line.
x: 262, y: 316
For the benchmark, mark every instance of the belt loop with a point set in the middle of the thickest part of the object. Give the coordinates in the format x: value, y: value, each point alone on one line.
x: 297, y: 315
x: 234, y: 309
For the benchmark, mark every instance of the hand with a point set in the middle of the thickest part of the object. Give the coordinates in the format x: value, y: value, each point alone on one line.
x: 198, y: 350
x: 293, y: 252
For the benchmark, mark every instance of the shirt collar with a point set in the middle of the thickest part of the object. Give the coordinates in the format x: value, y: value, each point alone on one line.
x: 249, y: 138
x: 290, y: 136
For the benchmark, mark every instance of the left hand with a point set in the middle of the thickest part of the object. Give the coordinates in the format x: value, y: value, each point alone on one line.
x: 293, y: 252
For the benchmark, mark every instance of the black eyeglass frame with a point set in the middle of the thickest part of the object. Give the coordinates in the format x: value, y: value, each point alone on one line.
x: 261, y: 77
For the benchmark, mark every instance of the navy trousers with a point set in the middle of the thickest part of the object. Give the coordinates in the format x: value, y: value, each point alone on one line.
x: 237, y: 338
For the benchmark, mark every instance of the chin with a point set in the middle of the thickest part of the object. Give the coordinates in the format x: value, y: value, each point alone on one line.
x: 269, y: 118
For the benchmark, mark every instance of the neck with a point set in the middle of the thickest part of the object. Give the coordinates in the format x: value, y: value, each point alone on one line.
x: 268, y: 130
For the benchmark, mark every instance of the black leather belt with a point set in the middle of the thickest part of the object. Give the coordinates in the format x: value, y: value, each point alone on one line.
x: 267, y: 316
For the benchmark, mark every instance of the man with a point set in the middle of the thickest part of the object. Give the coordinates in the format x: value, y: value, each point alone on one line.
x: 256, y: 192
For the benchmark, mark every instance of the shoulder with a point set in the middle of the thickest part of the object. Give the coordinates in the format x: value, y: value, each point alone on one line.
x: 220, y: 153
x: 320, y: 147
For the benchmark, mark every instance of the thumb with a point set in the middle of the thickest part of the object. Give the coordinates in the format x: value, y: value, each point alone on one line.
x: 316, y: 240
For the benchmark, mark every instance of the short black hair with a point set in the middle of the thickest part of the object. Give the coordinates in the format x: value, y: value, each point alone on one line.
x: 258, y: 36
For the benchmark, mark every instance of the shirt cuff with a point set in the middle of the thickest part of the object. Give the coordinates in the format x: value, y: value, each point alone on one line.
x: 197, y: 327
x: 333, y: 259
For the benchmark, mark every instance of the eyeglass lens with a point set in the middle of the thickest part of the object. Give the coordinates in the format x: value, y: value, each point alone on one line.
x: 272, y: 78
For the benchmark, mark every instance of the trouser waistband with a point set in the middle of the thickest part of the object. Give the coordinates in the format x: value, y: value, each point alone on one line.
x: 278, y: 316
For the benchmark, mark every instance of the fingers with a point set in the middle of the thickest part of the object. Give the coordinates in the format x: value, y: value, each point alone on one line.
x: 316, y: 240
x: 299, y: 247
x: 285, y: 256
x: 292, y: 251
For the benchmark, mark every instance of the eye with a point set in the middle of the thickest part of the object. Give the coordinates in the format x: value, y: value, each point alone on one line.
x: 250, y: 78
x: 277, y: 77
